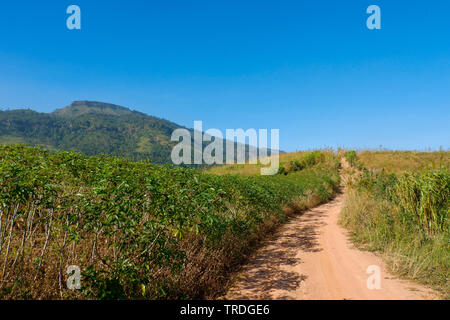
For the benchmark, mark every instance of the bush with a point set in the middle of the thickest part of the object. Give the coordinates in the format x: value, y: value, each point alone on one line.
x: 351, y: 157
x: 135, y: 229
x: 308, y: 160
x: 353, y: 160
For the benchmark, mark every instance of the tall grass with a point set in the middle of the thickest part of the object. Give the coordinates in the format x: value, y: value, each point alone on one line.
x: 423, y: 199
x: 399, y: 162
x: 406, y: 218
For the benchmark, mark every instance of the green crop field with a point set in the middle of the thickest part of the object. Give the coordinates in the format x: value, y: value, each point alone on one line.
x: 138, y: 230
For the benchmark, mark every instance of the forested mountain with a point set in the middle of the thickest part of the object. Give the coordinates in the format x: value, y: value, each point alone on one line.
x: 91, y: 128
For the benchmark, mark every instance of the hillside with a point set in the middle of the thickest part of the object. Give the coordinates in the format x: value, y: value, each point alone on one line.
x: 91, y: 128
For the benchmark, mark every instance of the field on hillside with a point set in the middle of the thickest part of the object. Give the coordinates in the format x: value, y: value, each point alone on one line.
x: 398, y: 205
x: 138, y: 230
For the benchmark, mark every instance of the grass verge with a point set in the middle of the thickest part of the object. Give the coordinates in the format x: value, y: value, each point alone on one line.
x: 405, y: 218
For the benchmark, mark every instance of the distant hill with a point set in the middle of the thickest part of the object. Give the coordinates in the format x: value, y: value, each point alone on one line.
x: 78, y: 108
x: 92, y: 128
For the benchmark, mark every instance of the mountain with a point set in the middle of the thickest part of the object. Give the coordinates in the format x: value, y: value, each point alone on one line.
x: 78, y: 108
x: 92, y: 128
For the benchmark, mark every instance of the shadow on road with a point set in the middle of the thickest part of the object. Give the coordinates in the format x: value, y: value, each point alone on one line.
x: 270, y: 274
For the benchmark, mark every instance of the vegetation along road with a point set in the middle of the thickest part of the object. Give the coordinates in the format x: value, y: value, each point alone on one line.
x: 137, y: 230
x: 311, y: 257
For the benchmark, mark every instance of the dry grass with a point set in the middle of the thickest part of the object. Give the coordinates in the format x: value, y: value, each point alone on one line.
x: 407, y: 251
x: 401, y: 161
x: 403, y: 216
x: 255, y: 169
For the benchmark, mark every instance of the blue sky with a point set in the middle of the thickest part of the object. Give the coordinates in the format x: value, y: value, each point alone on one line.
x: 309, y: 68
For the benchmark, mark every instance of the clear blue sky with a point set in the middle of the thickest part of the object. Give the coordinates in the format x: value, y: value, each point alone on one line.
x: 309, y: 68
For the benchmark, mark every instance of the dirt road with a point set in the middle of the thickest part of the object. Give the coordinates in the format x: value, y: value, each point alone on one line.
x: 312, y: 258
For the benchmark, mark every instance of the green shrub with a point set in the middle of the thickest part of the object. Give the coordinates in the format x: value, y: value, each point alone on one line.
x: 351, y: 157
x: 353, y: 160
x: 135, y: 229
x: 308, y: 160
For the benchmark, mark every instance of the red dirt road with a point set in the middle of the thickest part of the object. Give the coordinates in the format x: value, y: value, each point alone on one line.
x: 312, y: 258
